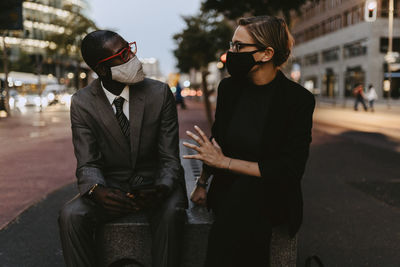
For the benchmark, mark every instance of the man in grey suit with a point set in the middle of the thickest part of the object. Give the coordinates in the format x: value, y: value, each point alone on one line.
x: 125, y: 136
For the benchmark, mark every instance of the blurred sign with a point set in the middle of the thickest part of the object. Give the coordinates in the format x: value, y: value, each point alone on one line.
x: 394, y: 67
x: 392, y: 57
x: 11, y: 15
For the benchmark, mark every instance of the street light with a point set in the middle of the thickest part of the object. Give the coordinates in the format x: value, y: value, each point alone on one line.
x: 390, y: 56
x: 370, y: 10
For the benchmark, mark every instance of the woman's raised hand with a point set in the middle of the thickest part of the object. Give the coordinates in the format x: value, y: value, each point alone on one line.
x: 208, y: 152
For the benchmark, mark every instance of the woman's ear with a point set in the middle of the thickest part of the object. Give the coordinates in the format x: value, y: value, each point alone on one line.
x: 269, y: 53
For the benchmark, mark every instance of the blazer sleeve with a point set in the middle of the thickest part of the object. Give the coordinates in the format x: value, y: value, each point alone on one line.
x: 170, y: 169
x: 88, y: 156
x: 290, y: 162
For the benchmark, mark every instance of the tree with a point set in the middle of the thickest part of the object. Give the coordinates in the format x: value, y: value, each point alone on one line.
x: 200, y: 43
x: 76, y: 26
x: 234, y: 9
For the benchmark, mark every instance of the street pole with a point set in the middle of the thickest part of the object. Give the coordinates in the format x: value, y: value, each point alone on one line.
x: 390, y: 47
x: 5, y: 64
x: 39, y: 72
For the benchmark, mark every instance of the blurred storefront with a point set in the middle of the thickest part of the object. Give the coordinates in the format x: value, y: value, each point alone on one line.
x: 336, y: 48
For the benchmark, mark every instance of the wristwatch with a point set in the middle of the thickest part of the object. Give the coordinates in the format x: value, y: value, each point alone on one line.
x: 91, y: 191
x: 201, y: 184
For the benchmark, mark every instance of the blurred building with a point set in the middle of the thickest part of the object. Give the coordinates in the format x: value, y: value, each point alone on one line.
x: 335, y: 48
x: 151, y: 68
x: 30, y: 47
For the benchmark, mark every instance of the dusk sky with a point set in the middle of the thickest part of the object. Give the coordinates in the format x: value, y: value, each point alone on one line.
x: 151, y: 23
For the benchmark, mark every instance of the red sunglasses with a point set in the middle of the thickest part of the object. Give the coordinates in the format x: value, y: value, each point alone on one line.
x: 124, y: 54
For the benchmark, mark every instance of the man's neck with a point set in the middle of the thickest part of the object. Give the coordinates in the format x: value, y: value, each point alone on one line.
x: 113, y: 87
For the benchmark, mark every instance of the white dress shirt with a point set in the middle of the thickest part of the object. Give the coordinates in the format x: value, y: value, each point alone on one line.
x: 124, y: 94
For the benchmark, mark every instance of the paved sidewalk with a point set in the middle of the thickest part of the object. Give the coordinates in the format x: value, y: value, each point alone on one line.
x: 338, y: 120
x: 36, y: 155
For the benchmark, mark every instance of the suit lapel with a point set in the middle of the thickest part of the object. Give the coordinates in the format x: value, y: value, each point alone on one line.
x: 136, y: 111
x: 107, y: 116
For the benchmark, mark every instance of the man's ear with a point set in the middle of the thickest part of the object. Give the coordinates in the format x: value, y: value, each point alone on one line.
x: 269, y: 53
x: 103, y: 71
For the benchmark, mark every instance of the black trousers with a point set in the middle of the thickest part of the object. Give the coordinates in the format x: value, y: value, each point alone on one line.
x: 79, y: 218
x: 241, y: 232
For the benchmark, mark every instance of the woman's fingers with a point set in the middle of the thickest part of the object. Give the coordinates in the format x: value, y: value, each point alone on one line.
x: 189, y: 145
x: 215, y: 143
x: 194, y: 137
x: 197, y: 156
x: 202, y: 134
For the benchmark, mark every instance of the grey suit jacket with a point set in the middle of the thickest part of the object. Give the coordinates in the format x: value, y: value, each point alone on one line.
x: 103, y: 154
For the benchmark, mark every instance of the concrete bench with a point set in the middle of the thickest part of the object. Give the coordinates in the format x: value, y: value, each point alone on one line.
x: 129, y: 237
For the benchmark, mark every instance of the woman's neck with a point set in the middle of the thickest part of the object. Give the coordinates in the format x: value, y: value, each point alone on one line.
x: 264, y: 75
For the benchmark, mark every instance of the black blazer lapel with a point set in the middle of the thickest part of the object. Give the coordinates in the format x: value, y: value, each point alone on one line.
x: 276, y: 113
x: 107, y: 116
x: 230, y: 99
x: 136, y: 111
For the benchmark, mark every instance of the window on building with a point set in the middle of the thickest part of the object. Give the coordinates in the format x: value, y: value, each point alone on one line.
x: 385, y: 8
x: 355, y: 49
x: 331, y: 54
x: 384, y: 43
x: 358, y: 14
x: 311, y: 59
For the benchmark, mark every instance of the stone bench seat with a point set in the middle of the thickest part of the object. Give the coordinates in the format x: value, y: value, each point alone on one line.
x: 129, y: 237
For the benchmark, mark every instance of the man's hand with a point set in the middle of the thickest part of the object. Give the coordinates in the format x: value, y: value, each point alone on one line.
x: 199, y: 196
x: 151, y: 198
x: 114, y: 201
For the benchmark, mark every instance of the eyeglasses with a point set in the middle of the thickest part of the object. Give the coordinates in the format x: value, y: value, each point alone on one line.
x: 235, y: 47
x: 124, y: 54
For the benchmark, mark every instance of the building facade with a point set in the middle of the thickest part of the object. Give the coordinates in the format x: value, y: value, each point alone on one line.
x: 31, y: 46
x: 336, y: 48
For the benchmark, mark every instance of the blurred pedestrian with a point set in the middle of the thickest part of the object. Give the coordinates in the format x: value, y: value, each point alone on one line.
x: 358, y: 93
x: 258, y: 149
x: 125, y: 136
x: 371, y: 97
x: 178, y: 96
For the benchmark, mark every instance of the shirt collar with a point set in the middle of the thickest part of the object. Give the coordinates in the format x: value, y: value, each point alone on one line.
x: 110, y: 96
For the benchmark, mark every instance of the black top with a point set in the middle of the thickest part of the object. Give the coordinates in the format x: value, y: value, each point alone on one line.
x: 245, y: 130
x: 270, y: 125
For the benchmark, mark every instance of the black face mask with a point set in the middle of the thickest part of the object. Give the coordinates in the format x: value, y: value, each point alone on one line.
x: 240, y: 63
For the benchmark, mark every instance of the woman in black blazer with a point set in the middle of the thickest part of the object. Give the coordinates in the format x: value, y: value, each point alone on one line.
x: 258, y: 149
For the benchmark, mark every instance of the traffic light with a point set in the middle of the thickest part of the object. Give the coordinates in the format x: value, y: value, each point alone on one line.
x: 371, y: 7
x: 11, y: 15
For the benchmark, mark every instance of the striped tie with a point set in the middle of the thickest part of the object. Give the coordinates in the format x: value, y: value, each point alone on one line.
x: 121, y: 118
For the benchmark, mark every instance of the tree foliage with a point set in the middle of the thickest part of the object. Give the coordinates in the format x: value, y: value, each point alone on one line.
x: 76, y: 27
x: 234, y: 9
x: 204, y: 37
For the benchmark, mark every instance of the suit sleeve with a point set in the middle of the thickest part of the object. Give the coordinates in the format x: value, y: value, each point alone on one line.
x: 170, y: 169
x: 88, y: 156
x: 291, y: 160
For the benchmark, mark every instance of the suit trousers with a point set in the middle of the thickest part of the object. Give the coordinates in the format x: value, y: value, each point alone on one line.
x: 79, y: 218
x: 241, y: 232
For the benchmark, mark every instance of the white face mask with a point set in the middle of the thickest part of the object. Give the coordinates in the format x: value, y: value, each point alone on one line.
x: 129, y: 73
